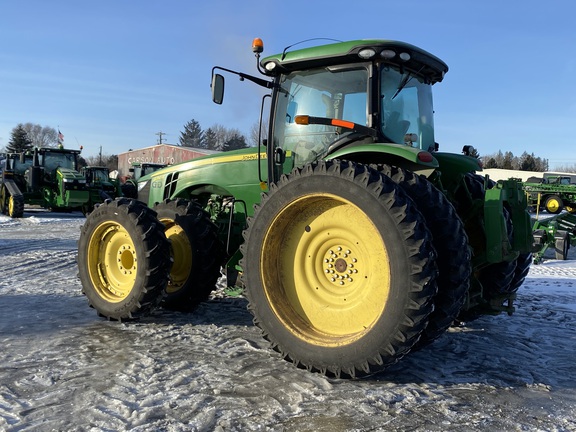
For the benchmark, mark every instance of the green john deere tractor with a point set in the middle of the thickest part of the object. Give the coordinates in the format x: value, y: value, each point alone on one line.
x: 100, y: 186
x: 47, y: 177
x: 354, y: 238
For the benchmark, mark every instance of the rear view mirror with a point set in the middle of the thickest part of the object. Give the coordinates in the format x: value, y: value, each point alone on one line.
x: 217, y: 88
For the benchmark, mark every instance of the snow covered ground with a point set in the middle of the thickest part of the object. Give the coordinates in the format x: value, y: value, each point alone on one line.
x: 64, y: 368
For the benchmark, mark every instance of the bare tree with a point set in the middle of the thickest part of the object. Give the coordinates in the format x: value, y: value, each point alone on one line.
x: 221, y: 135
x: 255, y: 133
x: 109, y: 161
x: 41, y: 136
x: 566, y: 168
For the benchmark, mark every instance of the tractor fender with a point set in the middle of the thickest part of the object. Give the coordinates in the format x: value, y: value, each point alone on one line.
x: 413, y: 159
x: 12, y: 187
x: 452, y: 165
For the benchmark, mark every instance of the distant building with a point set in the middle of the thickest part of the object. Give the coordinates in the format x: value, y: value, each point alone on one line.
x: 502, y: 174
x: 162, y: 153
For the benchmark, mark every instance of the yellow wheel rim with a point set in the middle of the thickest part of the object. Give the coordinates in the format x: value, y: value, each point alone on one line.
x: 181, y: 250
x: 112, y: 261
x: 325, y: 270
x: 11, y: 206
x: 570, y: 209
x: 552, y: 205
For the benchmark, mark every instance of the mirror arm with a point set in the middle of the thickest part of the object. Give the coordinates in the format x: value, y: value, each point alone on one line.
x: 259, y: 81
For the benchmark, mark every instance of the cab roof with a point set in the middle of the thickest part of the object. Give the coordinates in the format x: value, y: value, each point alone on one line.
x: 387, y: 51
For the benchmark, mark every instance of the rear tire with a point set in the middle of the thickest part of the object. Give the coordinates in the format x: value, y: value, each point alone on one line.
x: 496, y: 279
x: 196, y: 252
x: 339, y: 269
x: 523, y: 263
x: 3, y: 199
x: 16, y: 206
x: 10, y: 205
x: 123, y: 259
x: 451, y: 243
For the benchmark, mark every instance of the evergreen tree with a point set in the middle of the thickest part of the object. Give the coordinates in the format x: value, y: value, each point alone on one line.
x: 210, y: 139
x: 234, y: 143
x: 527, y: 162
x: 19, y: 141
x: 193, y: 136
x: 508, y: 159
x: 490, y: 163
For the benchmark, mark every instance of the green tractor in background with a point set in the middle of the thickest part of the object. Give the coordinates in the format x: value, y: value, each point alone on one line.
x: 355, y: 239
x: 46, y: 177
x: 100, y: 186
x: 129, y: 186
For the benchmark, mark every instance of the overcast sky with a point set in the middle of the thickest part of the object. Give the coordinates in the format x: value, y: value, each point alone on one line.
x: 114, y: 73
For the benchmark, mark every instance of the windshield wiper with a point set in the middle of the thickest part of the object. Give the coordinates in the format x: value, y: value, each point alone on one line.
x: 405, y: 82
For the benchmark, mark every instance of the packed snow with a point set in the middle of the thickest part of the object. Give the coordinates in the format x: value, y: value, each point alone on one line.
x: 64, y: 368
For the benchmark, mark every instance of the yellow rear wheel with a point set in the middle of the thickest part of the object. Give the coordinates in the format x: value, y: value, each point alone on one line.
x: 339, y: 269
x: 325, y: 253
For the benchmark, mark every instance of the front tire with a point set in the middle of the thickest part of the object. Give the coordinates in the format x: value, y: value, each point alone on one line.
x: 339, y: 269
x: 11, y: 205
x: 196, y: 252
x: 123, y: 259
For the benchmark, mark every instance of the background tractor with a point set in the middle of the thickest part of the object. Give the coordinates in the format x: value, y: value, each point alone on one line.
x: 48, y: 178
x: 129, y: 183
x: 100, y: 186
x: 355, y: 239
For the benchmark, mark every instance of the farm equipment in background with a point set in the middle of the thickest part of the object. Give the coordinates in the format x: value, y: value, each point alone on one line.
x: 554, y: 193
x: 129, y: 185
x: 46, y: 177
x: 100, y: 186
x: 558, y: 232
x: 355, y: 239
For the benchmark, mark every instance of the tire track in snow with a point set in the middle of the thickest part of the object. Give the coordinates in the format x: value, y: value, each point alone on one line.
x: 63, y: 368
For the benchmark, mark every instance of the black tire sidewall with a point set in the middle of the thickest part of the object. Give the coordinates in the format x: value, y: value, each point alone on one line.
x: 383, y: 331
x: 101, y: 214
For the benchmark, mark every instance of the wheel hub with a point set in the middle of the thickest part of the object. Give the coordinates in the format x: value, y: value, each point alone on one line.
x: 340, y: 265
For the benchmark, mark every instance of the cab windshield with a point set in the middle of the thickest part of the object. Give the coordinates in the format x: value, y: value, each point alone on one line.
x: 331, y: 92
x: 52, y: 160
x: 100, y: 176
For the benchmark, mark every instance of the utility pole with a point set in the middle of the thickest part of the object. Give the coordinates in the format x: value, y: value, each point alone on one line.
x: 160, y: 135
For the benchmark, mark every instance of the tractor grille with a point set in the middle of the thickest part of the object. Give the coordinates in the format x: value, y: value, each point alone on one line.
x: 170, y: 187
x: 77, y: 185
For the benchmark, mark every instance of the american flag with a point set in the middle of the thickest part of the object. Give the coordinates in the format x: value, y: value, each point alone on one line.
x: 60, y: 137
